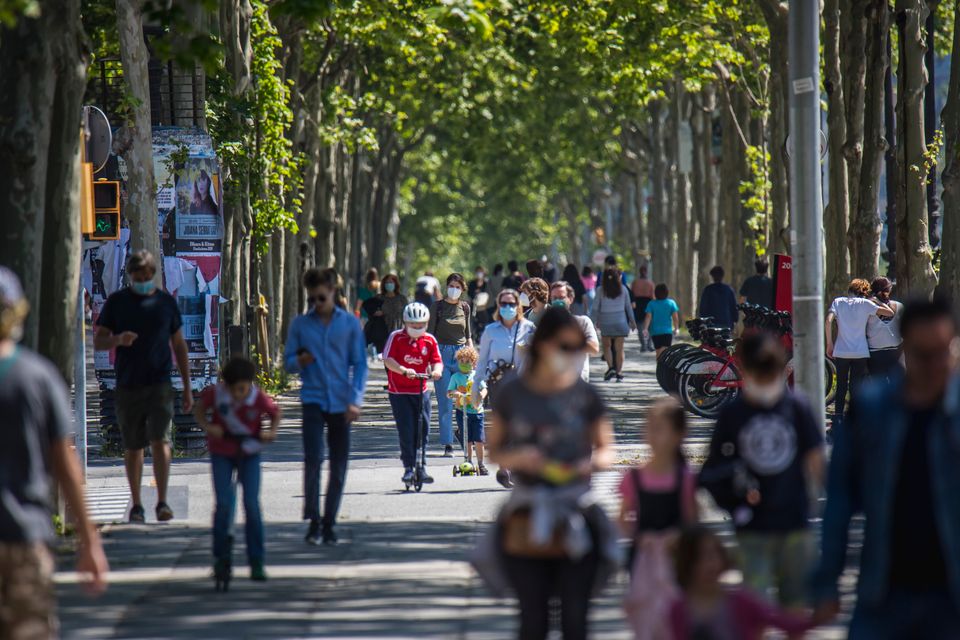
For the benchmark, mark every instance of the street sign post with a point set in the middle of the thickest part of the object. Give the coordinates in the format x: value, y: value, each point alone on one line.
x: 806, y: 202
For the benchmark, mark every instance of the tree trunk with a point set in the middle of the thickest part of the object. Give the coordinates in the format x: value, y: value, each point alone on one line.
x: 61, y: 232
x: 931, y: 124
x: 28, y: 78
x: 658, y: 226
x: 235, y: 18
x: 685, y: 267
x: 836, y: 214
x: 892, y: 172
x: 778, y: 240
x: 853, y: 73
x: 864, y: 232
x: 915, y: 275
x: 705, y: 183
x: 950, y: 255
x: 141, y: 205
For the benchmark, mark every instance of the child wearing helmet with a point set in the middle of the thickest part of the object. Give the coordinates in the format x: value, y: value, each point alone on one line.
x: 410, y: 352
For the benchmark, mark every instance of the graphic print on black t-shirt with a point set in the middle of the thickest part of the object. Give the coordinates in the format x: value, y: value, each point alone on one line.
x: 772, y: 443
x: 768, y: 443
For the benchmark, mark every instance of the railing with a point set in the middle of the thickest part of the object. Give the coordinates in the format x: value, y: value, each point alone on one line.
x: 177, y: 95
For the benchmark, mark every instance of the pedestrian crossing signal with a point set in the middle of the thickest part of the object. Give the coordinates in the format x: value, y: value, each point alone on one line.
x: 106, y: 211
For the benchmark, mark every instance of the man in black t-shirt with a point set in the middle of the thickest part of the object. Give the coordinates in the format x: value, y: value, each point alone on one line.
x: 35, y: 452
x: 142, y: 323
x: 758, y: 288
x: 766, y: 450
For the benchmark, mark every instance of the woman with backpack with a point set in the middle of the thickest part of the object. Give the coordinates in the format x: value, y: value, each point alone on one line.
x: 450, y: 325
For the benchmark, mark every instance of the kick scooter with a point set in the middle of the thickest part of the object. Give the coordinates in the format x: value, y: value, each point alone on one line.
x: 419, y: 470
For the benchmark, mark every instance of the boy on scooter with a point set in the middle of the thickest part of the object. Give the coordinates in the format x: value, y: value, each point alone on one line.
x: 411, y: 353
x: 231, y: 413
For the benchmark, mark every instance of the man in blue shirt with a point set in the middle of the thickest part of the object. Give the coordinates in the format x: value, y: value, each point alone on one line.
x: 718, y: 301
x: 326, y: 347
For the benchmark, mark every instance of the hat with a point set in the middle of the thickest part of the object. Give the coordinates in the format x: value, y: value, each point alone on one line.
x: 11, y: 293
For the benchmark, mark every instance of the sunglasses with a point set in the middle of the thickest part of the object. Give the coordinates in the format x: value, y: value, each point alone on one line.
x: 316, y: 299
x: 508, y: 304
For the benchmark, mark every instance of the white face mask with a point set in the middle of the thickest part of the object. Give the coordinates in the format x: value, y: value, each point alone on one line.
x: 764, y: 395
x: 524, y: 299
x: 416, y: 333
x: 480, y: 275
x: 561, y: 363
x: 454, y: 292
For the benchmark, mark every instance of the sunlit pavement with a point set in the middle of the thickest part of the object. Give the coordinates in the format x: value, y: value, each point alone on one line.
x: 400, y: 569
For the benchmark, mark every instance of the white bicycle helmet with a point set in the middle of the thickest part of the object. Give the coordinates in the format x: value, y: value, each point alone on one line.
x: 416, y: 312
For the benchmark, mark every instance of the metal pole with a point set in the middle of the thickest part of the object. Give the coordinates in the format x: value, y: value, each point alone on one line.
x: 806, y: 202
x: 80, y: 384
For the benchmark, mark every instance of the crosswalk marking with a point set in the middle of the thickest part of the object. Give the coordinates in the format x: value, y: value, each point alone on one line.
x: 107, y: 504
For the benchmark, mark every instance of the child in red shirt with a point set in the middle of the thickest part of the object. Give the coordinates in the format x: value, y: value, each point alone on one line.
x: 231, y: 413
x: 410, y: 352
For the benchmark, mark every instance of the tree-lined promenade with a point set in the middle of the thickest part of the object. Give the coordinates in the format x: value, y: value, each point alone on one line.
x: 406, y: 134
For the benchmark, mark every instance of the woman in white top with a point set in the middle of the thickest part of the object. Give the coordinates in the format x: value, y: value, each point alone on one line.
x: 850, y: 352
x: 883, y: 334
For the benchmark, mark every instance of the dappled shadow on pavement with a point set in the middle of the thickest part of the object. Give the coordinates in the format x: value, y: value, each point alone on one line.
x: 396, y: 580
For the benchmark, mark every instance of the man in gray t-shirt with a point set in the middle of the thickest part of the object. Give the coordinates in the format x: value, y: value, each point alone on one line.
x: 35, y: 451
x: 563, y: 295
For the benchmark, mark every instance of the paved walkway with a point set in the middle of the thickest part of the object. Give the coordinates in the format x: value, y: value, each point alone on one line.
x: 399, y: 572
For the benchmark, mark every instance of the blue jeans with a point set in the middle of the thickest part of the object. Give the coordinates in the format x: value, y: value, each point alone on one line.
x: 315, y: 420
x: 905, y: 615
x: 448, y: 353
x: 404, y: 407
x: 225, y: 488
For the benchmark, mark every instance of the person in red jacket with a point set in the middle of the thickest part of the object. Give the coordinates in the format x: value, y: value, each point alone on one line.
x: 232, y: 413
x: 411, y: 352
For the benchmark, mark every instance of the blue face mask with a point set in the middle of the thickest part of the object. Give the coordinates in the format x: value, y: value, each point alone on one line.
x: 559, y: 303
x: 144, y: 288
x: 389, y: 287
x: 508, y: 312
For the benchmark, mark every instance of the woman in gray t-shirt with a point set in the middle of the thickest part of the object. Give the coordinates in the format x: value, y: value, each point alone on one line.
x: 551, y: 430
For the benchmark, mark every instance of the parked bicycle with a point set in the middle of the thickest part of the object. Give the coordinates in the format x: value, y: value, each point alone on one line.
x: 706, y: 376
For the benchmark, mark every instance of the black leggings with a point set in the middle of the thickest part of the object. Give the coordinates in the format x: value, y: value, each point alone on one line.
x: 850, y: 373
x: 537, y: 581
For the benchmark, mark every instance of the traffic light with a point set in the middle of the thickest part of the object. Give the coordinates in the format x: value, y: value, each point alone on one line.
x: 106, y: 211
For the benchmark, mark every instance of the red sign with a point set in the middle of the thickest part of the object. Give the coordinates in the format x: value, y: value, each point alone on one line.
x: 783, y: 283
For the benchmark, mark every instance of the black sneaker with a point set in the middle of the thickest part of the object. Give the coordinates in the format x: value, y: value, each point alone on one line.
x: 619, y: 378
x: 503, y: 477
x: 164, y: 512
x: 329, y: 537
x: 407, y: 476
x: 137, y: 515
x: 448, y: 451
x: 313, y: 533
x: 425, y: 477
x: 609, y: 374
x: 482, y: 470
